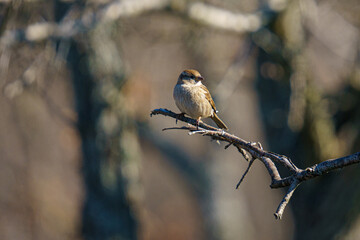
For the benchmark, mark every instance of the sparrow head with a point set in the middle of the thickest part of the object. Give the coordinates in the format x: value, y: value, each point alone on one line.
x: 190, y: 76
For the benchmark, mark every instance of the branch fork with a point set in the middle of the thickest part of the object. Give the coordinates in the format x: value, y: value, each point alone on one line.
x: 252, y: 151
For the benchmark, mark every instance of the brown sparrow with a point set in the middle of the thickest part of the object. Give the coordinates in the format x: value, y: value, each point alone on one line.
x: 194, y: 99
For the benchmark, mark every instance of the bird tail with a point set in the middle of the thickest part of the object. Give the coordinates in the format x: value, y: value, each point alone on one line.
x: 218, y: 122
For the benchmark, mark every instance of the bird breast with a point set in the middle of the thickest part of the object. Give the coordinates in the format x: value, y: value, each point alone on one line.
x: 191, y: 99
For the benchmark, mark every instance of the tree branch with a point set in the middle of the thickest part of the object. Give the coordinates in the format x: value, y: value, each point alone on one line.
x: 280, y: 210
x: 269, y: 159
x: 195, y: 11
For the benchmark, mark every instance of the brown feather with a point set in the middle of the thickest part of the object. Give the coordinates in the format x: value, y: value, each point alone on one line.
x: 208, y: 96
x: 218, y: 121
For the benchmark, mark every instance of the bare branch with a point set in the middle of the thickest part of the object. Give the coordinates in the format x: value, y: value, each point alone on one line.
x: 223, y: 19
x: 319, y: 169
x: 246, y: 172
x: 280, y: 210
x: 269, y: 159
x: 195, y: 11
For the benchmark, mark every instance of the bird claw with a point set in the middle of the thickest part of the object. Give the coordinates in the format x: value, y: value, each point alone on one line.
x: 197, y: 123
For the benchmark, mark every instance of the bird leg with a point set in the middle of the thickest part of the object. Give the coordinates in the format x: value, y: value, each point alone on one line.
x: 197, y: 123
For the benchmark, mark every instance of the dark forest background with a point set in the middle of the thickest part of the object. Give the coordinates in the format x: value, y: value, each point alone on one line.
x: 81, y: 158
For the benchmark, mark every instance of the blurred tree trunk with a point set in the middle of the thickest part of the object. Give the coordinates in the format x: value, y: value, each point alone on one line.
x: 37, y: 106
x: 109, y: 140
x: 102, y: 126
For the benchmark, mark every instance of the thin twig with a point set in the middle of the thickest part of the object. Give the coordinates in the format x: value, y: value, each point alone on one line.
x: 246, y: 156
x: 245, y: 173
x: 227, y: 146
x: 280, y: 210
x: 178, y: 128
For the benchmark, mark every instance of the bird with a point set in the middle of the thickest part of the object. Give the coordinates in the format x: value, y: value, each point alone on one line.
x: 194, y: 99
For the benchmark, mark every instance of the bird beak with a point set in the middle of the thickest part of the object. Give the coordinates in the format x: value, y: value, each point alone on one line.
x: 200, y: 78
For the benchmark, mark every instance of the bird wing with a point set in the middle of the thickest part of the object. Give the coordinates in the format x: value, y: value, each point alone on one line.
x: 208, y: 96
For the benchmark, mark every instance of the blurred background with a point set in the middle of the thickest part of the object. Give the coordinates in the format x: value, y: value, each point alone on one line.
x: 82, y: 159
